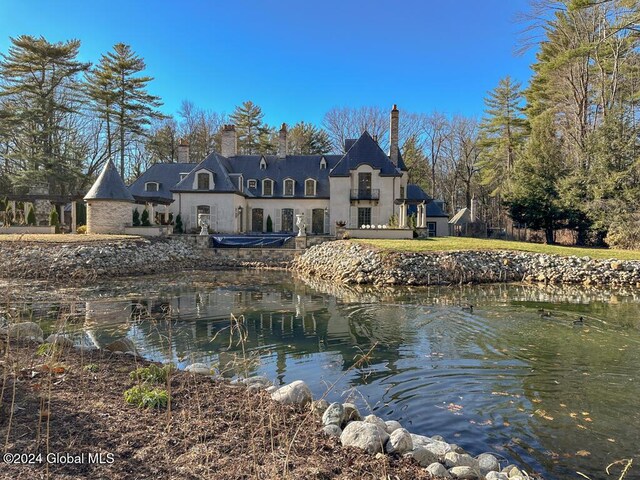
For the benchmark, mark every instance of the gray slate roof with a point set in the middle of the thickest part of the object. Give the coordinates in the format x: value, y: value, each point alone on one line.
x: 216, y: 164
x: 434, y: 207
x: 167, y: 175
x: 109, y: 186
x: 365, y: 150
x: 297, y: 167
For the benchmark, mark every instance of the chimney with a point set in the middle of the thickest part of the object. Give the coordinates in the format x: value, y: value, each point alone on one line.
x: 393, y: 135
x: 183, y: 151
x: 229, y: 141
x: 474, y: 209
x: 282, y: 141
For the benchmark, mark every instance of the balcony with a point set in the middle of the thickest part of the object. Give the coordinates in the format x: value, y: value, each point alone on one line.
x: 365, y: 194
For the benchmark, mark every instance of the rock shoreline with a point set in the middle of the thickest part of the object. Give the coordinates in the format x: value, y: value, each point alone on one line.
x: 87, y: 261
x: 353, y: 263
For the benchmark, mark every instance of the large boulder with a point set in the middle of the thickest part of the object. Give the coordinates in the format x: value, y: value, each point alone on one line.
x: 318, y: 407
x: 296, y: 393
x: 420, y: 440
x: 391, y: 426
x: 422, y: 456
x: 465, y: 473
x: 453, y: 459
x: 496, y: 476
x: 333, y: 415
x: 332, y: 430
x: 375, y: 420
x: 258, y: 382
x: 23, y: 331
x: 438, y: 448
x: 198, y: 369
x: 437, y: 470
x: 59, y: 340
x: 399, y: 442
x: 351, y: 412
x: 488, y: 463
x: 123, y: 345
x: 366, y: 436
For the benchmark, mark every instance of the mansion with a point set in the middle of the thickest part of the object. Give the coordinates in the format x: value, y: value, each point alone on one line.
x: 259, y: 193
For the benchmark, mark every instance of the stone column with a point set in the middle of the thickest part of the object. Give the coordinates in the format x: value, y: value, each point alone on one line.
x: 13, y: 211
x: 166, y: 214
x: 61, y: 217
x: 25, y: 210
x: 74, y: 218
x: 424, y: 215
x: 151, y: 213
x: 403, y: 215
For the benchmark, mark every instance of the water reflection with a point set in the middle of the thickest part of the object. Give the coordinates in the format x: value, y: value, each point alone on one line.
x: 541, y: 391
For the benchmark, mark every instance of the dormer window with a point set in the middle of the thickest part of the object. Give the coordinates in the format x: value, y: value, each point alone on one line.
x: 183, y: 176
x: 204, y: 181
x: 263, y: 164
x: 310, y: 187
x: 323, y: 163
x: 289, y: 185
x: 267, y: 188
x: 252, y: 183
x: 151, y: 186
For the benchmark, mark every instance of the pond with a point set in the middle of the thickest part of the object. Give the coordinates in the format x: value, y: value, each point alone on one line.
x: 541, y: 391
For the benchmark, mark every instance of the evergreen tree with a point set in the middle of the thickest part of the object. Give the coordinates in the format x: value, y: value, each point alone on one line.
x: 41, y: 95
x: 31, y: 217
x: 54, y: 219
x: 252, y: 132
x: 307, y: 139
x: 136, y: 218
x: 144, y: 219
x: 416, y: 163
x: 128, y: 101
x: 502, y: 134
x: 533, y: 196
x: 178, y: 228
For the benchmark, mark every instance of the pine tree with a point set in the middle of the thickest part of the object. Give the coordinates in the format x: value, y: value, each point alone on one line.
x: 250, y: 129
x: 144, y: 219
x: 415, y: 161
x: 178, y: 228
x: 41, y: 95
x: 125, y: 96
x: 307, y: 139
x: 503, y: 132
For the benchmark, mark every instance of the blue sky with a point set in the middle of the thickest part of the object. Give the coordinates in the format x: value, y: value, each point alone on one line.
x: 296, y: 59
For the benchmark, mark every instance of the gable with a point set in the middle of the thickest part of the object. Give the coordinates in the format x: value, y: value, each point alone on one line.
x: 365, y: 151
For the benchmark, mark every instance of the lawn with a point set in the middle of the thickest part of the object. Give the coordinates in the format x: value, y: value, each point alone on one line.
x: 446, y: 244
x: 63, y: 238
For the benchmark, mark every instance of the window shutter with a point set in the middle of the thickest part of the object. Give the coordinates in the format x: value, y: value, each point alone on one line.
x: 353, y: 217
x: 192, y: 221
x: 277, y: 227
x: 326, y: 221
x: 308, y: 217
x: 213, y: 220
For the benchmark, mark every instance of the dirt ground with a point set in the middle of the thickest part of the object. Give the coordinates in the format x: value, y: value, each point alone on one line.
x: 61, y: 416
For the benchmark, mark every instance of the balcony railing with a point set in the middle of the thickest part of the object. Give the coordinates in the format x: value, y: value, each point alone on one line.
x: 365, y: 194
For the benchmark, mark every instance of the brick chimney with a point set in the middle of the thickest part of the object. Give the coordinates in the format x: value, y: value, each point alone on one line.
x: 282, y: 141
x: 229, y: 141
x: 183, y: 151
x: 393, y: 135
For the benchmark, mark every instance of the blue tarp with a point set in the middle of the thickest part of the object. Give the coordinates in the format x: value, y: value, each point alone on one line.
x: 249, y: 240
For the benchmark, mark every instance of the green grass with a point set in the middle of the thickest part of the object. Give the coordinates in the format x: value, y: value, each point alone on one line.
x: 447, y: 244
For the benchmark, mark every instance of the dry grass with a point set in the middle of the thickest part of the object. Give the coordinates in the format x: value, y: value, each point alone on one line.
x: 64, y: 238
x: 448, y: 244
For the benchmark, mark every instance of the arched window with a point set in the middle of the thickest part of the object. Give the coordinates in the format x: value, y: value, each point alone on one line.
x: 323, y: 163
x: 263, y: 164
x: 310, y: 187
x: 289, y: 185
x: 267, y: 187
x: 151, y: 186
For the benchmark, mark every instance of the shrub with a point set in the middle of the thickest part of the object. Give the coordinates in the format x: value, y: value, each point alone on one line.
x: 136, y: 218
x: 48, y: 349
x: 54, y: 220
x: 152, y: 374
x: 178, y: 228
x: 624, y: 232
x: 91, y: 367
x: 31, y: 217
x: 269, y: 224
x: 144, y: 219
x: 82, y: 229
x: 143, y: 396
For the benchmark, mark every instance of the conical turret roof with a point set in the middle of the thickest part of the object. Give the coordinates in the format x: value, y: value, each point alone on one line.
x: 109, y: 186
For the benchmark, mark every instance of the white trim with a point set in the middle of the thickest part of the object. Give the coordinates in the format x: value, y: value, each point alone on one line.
x: 212, y: 184
x: 146, y: 186
x: 284, y: 187
x: 263, y: 163
x: 254, y: 181
x: 323, y: 163
x: 315, y: 188
x: 264, y: 181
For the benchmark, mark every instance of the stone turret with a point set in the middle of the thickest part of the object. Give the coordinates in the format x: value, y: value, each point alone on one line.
x: 109, y: 203
x: 282, y: 141
x: 393, y: 135
x: 229, y: 141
